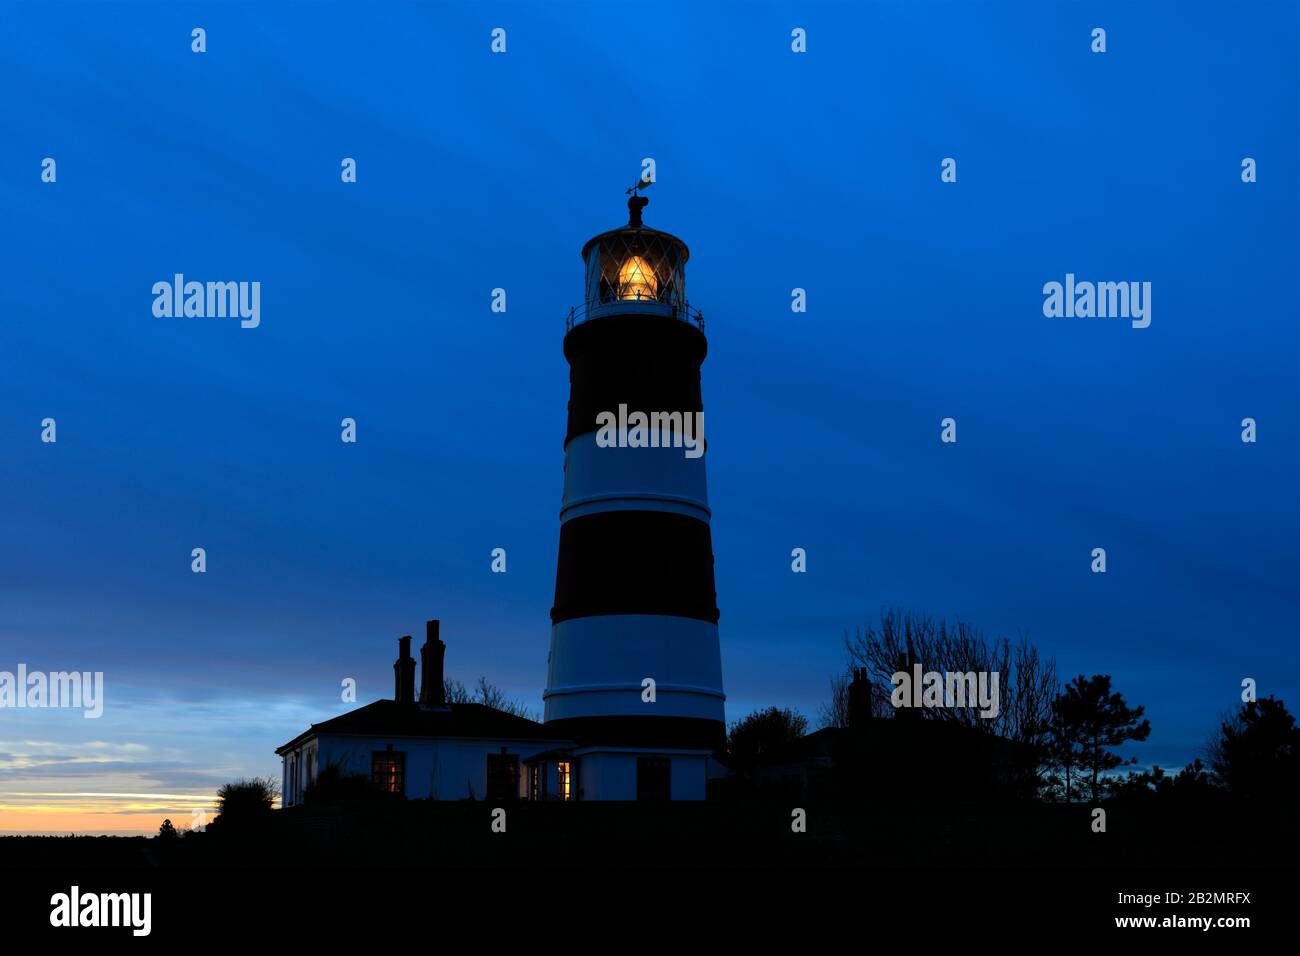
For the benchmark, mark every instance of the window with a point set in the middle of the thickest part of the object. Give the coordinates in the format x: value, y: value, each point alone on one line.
x: 388, y: 770
x: 564, y: 777
x: 534, y: 777
x: 636, y: 265
x: 654, y: 778
x: 503, y: 776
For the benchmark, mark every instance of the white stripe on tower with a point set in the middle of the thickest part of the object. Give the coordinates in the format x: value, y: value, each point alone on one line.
x: 647, y: 479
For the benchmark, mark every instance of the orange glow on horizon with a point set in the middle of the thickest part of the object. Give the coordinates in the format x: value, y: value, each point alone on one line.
x: 93, y: 814
x: 61, y: 821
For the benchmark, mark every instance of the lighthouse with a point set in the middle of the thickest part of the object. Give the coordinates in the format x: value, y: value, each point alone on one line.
x: 634, y: 676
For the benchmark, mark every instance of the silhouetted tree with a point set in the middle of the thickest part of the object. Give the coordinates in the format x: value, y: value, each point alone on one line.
x: 764, y: 731
x: 246, y: 800
x: 835, y: 713
x: 488, y: 694
x: 167, y: 831
x: 1190, y: 783
x: 1192, y: 780
x: 1256, y: 755
x: 1088, y: 719
x: 1027, y: 682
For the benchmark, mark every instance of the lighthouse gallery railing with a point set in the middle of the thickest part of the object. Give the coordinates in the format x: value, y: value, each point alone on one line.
x: 594, y: 310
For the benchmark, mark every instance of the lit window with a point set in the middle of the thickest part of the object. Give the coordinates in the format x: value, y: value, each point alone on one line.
x: 636, y: 279
x: 388, y: 771
x: 564, y: 771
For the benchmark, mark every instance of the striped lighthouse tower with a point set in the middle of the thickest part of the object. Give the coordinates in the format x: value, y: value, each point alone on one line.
x: 634, y: 590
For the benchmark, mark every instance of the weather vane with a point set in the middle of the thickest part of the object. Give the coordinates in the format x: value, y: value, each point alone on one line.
x: 641, y: 184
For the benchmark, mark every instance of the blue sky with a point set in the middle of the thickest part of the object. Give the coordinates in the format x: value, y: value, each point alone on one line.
x: 780, y: 170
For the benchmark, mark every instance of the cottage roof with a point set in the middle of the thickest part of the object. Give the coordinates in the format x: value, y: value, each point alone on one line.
x: 391, y: 718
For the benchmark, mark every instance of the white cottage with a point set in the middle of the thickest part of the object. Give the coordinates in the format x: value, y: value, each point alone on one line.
x: 429, y: 748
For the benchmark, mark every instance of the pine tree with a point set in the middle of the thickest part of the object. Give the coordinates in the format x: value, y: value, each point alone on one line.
x: 1087, y: 720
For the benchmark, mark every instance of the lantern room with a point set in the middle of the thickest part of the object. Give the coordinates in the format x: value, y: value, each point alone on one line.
x: 635, y: 269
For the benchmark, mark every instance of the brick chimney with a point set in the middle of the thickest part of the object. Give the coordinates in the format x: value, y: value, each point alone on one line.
x: 859, y: 699
x: 404, y: 673
x: 432, y: 656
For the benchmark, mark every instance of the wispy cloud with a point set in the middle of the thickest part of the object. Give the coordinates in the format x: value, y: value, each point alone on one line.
x: 163, y: 757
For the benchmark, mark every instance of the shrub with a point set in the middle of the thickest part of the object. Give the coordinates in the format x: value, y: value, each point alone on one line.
x: 246, y: 800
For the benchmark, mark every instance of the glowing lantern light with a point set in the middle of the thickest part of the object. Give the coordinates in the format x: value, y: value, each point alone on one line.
x: 637, y: 280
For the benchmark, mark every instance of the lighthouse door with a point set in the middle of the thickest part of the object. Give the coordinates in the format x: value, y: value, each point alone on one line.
x: 654, y: 778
